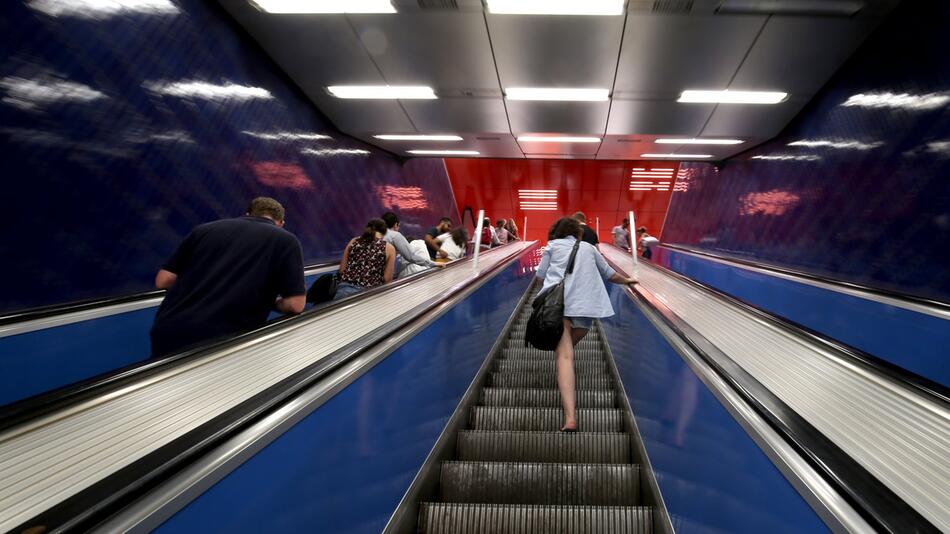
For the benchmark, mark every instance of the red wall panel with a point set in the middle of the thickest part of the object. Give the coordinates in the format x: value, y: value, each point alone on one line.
x: 598, y: 188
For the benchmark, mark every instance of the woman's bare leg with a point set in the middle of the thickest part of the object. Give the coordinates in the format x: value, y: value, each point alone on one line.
x: 565, y: 376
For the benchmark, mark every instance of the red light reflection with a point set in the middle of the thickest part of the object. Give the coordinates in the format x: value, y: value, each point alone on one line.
x: 282, y: 175
x: 402, y: 198
x: 773, y: 202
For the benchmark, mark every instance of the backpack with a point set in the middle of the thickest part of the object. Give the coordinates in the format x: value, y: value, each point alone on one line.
x: 323, y: 288
x: 486, y: 236
x: 546, y: 324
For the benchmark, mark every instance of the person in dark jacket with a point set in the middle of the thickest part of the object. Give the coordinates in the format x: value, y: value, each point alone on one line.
x: 226, y: 277
x: 588, y: 236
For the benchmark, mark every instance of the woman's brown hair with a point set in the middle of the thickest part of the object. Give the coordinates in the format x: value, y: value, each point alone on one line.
x: 564, y: 227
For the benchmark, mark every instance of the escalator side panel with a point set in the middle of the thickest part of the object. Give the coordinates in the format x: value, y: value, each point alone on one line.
x: 345, y: 467
x: 711, y: 473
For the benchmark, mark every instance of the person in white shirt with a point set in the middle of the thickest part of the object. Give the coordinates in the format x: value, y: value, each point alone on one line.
x: 621, y: 235
x: 646, y: 242
x: 501, y: 234
x: 406, y: 255
x: 453, y: 243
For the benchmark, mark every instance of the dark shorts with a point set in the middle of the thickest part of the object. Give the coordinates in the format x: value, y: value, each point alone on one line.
x: 581, y: 322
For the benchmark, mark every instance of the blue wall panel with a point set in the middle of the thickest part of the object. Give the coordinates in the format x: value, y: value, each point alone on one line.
x: 857, y: 186
x: 712, y: 475
x: 345, y: 467
x: 915, y: 341
x: 42, y: 360
x: 122, y: 129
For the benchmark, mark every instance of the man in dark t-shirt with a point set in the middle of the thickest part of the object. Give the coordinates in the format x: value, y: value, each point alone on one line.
x: 589, y: 235
x: 226, y: 277
x: 435, y: 250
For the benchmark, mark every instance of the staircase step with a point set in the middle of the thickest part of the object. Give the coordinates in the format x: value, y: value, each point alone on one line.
x: 521, y: 352
x: 466, y: 518
x: 548, y: 380
x: 540, y: 483
x: 535, y: 397
x: 507, y: 446
x: 548, y: 366
x: 589, y: 342
x: 550, y: 419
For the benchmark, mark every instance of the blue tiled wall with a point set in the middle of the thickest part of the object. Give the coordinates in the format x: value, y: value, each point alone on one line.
x: 864, y: 192
x: 121, y: 129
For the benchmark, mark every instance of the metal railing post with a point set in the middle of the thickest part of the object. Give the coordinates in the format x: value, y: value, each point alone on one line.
x: 478, y: 239
x: 633, y: 246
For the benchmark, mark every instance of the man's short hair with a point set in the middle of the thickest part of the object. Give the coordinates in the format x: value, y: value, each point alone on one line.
x: 642, y: 230
x: 266, y: 207
x: 390, y: 218
x: 580, y: 217
x: 445, y: 220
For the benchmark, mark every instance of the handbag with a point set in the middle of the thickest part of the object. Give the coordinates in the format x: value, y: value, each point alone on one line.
x: 323, y: 288
x: 546, y: 324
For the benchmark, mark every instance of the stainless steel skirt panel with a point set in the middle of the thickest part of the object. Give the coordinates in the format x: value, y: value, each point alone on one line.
x: 897, y: 434
x: 55, y: 457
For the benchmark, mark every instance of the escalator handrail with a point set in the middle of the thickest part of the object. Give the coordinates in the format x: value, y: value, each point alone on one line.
x: 9, y: 320
x: 23, y: 410
x: 873, y: 500
x: 105, y: 497
x: 905, y: 300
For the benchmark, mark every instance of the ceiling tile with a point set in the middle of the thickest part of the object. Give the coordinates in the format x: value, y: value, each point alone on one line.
x: 452, y: 115
x: 664, y: 54
x: 355, y: 116
x: 755, y: 121
x: 555, y: 51
x: 576, y: 118
x: 656, y: 117
x: 799, y: 54
x: 447, y: 50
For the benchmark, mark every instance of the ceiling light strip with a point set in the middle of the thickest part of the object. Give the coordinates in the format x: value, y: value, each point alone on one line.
x: 732, y: 97
x: 382, y: 92
x: 698, y: 141
x: 325, y: 6
x: 417, y: 137
x: 556, y: 7
x: 677, y: 156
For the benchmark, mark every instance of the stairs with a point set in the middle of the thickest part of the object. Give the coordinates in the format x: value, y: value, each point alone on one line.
x: 514, y: 472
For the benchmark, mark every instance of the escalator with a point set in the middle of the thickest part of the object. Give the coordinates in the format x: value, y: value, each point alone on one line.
x: 513, y: 471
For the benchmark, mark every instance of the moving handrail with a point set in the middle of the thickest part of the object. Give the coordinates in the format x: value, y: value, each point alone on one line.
x: 246, y: 372
x: 906, y: 300
x: 47, y: 316
x: 850, y: 460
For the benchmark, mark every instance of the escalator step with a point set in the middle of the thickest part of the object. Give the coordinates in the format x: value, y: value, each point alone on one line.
x: 582, y: 447
x: 528, y: 397
x: 540, y: 483
x: 531, y: 353
x: 548, y: 380
x: 548, y: 366
x: 510, y: 418
x: 590, y: 342
x: 465, y: 518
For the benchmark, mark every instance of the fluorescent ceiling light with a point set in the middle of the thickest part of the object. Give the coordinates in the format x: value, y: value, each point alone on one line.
x: 557, y: 139
x: 676, y: 156
x: 414, y: 137
x: 694, y: 141
x: 557, y: 94
x: 733, y: 97
x: 445, y: 152
x: 556, y: 7
x: 382, y: 92
x: 325, y: 6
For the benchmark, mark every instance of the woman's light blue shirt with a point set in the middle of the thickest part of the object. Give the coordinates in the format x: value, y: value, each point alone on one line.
x: 584, y: 291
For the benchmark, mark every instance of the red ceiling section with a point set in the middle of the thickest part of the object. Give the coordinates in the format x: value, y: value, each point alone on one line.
x: 598, y: 188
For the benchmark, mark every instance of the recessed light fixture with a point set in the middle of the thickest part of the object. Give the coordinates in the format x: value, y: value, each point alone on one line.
x: 694, y: 141
x: 557, y: 139
x: 732, y: 97
x: 556, y: 7
x: 559, y: 94
x: 677, y: 156
x: 417, y: 137
x: 325, y: 6
x: 445, y: 152
x: 383, y: 92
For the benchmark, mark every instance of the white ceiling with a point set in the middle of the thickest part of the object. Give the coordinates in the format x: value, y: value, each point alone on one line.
x: 646, y: 58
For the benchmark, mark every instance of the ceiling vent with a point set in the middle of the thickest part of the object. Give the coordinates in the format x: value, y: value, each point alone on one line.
x: 488, y: 138
x: 438, y: 4
x: 629, y: 140
x: 666, y: 7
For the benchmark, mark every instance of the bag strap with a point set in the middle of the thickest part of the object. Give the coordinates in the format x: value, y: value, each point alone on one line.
x: 570, y: 262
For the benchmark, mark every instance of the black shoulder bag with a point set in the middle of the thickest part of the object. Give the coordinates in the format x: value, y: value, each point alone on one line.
x: 546, y: 324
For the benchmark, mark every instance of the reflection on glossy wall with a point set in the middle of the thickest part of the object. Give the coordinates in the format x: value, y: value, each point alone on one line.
x: 125, y: 124
x: 858, y: 187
